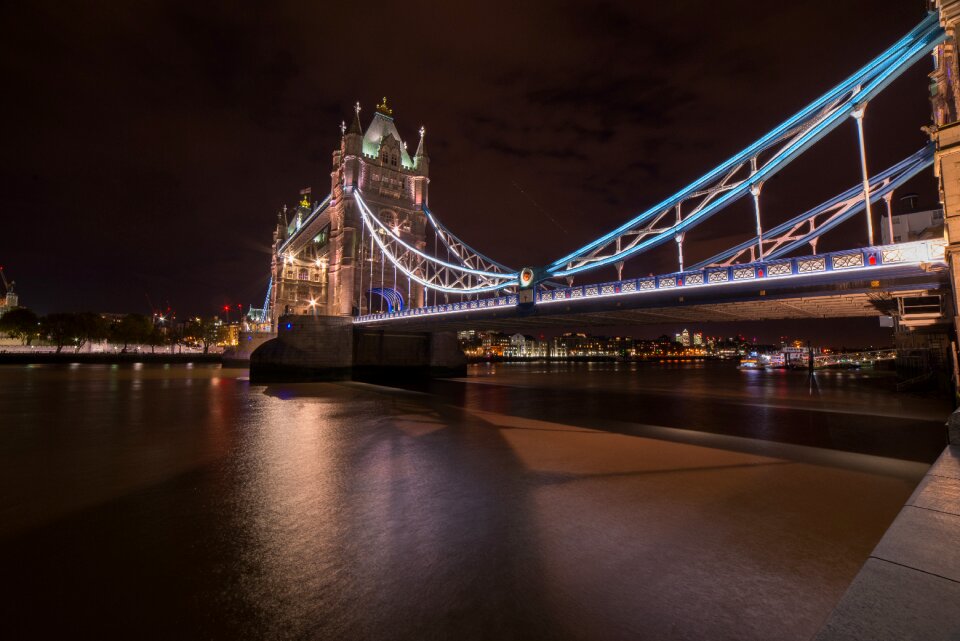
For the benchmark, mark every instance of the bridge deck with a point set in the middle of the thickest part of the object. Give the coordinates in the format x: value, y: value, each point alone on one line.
x: 846, y: 284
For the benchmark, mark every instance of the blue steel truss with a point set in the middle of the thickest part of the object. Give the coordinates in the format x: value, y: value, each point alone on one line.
x: 393, y: 298
x: 748, y: 169
x: 468, y: 272
x: 790, y: 235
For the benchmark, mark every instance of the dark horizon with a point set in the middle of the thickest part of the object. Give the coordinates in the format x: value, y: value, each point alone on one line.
x: 150, y: 148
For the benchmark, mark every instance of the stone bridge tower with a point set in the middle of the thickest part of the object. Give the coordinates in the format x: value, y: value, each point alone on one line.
x: 322, y: 261
x: 945, y: 132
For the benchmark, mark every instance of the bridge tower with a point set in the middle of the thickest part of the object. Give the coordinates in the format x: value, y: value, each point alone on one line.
x: 324, y: 262
x: 945, y: 133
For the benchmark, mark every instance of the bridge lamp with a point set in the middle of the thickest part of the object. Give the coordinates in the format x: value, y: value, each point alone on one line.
x: 313, y: 302
x: 526, y: 277
x: 526, y: 282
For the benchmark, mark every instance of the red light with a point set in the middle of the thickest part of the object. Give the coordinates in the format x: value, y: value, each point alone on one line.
x: 760, y: 273
x: 873, y: 259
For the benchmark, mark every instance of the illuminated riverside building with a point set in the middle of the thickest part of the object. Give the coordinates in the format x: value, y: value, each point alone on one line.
x: 527, y: 347
x: 322, y: 264
x: 579, y: 345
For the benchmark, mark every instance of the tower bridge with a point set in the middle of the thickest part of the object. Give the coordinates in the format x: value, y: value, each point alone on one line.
x: 369, y: 278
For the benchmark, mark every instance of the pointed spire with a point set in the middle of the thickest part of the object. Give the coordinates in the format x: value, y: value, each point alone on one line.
x: 421, y: 149
x: 355, y: 125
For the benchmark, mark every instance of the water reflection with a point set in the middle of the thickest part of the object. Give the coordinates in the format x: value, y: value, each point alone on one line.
x: 547, y: 501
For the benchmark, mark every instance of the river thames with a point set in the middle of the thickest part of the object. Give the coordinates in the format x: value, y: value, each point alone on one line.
x: 525, y: 501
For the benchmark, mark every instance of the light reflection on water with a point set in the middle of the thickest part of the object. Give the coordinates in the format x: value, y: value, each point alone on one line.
x: 493, y: 510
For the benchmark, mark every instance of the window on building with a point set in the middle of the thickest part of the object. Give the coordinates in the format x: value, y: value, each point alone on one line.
x: 304, y: 274
x: 321, y: 239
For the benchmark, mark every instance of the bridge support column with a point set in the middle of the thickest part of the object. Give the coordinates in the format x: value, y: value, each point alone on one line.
x: 858, y: 116
x: 755, y: 192
x: 326, y: 348
x: 888, y: 199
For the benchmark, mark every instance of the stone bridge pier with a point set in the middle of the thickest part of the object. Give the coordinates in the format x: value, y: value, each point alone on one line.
x: 325, y: 348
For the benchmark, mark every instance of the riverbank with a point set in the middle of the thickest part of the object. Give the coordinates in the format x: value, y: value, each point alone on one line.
x: 588, y: 359
x: 103, y: 358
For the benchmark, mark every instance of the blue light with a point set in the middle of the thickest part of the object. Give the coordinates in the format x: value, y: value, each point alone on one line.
x: 289, y: 325
x: 843, y: 99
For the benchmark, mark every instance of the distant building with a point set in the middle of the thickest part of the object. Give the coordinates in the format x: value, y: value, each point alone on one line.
x: 685, y: 338
x: 698, y: 339
x: 918, y: 225
x: 495, y: 344
x: 527, y: 347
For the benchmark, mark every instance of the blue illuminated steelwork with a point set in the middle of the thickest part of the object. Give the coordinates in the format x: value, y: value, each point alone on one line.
x: 266, y: 299
x: 316, y: 212
x: 789, y: 236
x: 801, y: 269
x: 734, y: 178
x: 392, y: 297
x: 467, y: 255
x: 429, y: 271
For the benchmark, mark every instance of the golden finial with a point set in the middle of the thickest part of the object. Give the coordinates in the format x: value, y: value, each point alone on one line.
x: 384, y: 109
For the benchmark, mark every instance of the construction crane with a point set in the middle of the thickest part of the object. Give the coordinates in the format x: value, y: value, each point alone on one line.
x: 10, y: 301
x: 7, y: 284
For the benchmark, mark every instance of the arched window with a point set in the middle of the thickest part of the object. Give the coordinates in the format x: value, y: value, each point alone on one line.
x: 389, y: 217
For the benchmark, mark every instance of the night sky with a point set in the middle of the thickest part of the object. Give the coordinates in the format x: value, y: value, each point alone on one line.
x: 148, y: 146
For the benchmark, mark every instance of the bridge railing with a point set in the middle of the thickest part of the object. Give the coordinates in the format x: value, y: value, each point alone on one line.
x: 447, y: 308
x: 841, y: 261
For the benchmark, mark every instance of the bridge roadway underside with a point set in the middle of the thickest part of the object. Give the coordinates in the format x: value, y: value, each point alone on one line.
x: 833, y: 295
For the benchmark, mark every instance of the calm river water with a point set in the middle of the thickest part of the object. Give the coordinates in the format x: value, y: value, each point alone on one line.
x: 526, y: 501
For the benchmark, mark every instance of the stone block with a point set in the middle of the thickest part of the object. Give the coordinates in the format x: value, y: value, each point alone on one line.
x: 888, y: 602
x: 925, y: 540
x: 949, y: 463
x: 938, y: 493
x: 953, y: 428
x: 307, y: 348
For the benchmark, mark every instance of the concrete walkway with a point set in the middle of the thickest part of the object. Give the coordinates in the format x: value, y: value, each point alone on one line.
x: 909, y: 588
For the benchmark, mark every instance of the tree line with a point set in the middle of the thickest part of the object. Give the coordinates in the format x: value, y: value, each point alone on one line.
x: 74, y: 330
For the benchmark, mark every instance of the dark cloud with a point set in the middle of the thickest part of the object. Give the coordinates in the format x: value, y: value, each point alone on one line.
x: 148, y: 145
